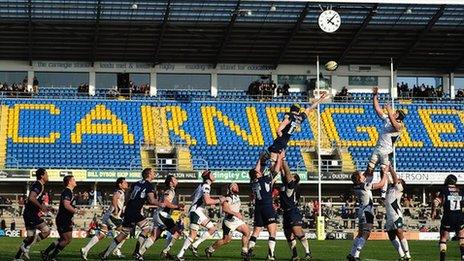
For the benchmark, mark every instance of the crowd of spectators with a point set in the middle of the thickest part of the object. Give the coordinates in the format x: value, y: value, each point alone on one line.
x: 262, y: 90
x: 16, y: 88
x: 422, y: 91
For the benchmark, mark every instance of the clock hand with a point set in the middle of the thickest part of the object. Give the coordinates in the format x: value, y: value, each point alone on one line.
x: 332, y: 18
x: 330, y: 21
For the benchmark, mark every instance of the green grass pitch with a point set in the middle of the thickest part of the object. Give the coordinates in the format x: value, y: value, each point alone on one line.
x: 322, y: 250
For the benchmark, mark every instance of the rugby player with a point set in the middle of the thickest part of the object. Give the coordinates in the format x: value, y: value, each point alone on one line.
x: 111, y: 220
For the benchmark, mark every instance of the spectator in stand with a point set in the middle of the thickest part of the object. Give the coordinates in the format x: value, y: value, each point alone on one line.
x: 113, y: 92
x: 460, y: 95
x: 286, y: 88
x: 3, y: 224
x: 35, y: 85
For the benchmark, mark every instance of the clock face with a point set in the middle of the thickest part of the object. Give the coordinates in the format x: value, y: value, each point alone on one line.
x: 329, y: 21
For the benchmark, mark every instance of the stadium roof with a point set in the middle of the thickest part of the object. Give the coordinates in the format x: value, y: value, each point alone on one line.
x: 425, y: 37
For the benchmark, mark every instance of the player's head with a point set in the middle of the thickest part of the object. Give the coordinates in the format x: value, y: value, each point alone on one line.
x: 69, y: 181
x: 170, y: 181
x: 121, y: 183
x: 41, y: 174
x: 233, y: 188
x: 254, y: 174
x: 451, y: 180
x: 357, y: 177
x: 208, y: 175
x: 400, y: 115
x: 148, y: 174
x: 295, y: 108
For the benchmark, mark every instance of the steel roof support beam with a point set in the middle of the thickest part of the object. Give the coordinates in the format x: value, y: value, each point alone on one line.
x: 159, y: 41
x: 29, y: 33
x: 421, y: 36
x: 295, y: 30
x: 363, y: 26
x: 95, y: 34
x: 227, y: 34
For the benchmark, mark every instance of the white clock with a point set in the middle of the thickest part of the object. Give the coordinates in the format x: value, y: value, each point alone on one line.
x: 329, y: 21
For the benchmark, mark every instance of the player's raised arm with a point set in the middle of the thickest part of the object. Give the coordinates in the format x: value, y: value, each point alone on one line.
x: 392, y: 117
x: 286, y: 171
x: 394, y: 175
x: 381, y: 183
x: 375, y: 98
x: 436, y: 203
x: 282, y: 125
x: 315, y: 103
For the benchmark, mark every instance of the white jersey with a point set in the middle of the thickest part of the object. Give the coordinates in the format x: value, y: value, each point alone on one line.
x: 116, y: 211
x: 234, y: 203
x: 387, y: 136
x: 198, y: 197
x: 363, y: 194
x: 393, y: 202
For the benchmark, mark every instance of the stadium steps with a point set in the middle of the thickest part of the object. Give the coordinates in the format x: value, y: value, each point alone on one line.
x: 347, y: 161
x: 184, y: 159
x: 309, y: 158
x: 3, y: 134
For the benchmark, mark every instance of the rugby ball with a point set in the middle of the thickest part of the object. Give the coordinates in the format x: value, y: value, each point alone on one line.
x: 331, y: 66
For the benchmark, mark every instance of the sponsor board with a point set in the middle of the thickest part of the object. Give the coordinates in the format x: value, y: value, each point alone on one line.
x: 10, y: 233
x: 411, y: 235
x: 435, y: 236
x: 58, y: 174
x: 15, y: 173
x: 54, y: 233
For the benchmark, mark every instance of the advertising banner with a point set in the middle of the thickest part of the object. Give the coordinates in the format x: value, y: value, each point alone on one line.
x: 58, y: 174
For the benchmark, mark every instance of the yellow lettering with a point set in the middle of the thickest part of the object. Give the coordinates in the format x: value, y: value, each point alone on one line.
x: 101, y: 113
x: 405, y: 139
x: 332, y: 132
x: 179, y: 116
x: 13, y: 123
x: 435, y: 129
x: 209, y: 113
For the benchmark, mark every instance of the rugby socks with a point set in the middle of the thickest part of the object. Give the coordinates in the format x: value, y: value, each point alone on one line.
x: 442, y: 250
x: 146, y: 245
x: 140, y: 241
x: 252, y: 242
x: 203, y: 237
x: 304, y: 242
x: 272, y: 244
x: 188, y: 241
x: 26, y: 242
x: 397, y: 245
x: 51, y: 247
x: 405, y: 246
x: 461, y: 248
x: 292, y: 245
x: 117, y: 251
x: 360, y: 245
x: 91, y: 243
x: 56, y: 251
x: 169, y: 243
x: 355, y: 246
x: 114, y: 244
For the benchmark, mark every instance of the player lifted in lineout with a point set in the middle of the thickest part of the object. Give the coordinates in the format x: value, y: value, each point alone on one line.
x: 32, y: 211
x: 197, y: 214
x: 394, y: 216
x: 291, y: 123
x: 389, y: 134
x: 451, y: 198
x: 292, y: 219
x: 363, y: 186
x: 162, y: 220
x: 111, y: 220
x: 233, y: 221
x: 142, y: 191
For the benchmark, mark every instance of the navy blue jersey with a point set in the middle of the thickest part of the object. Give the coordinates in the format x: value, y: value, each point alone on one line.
x: 262, y: 190
x: 452, y: 200
x: 138, y: 196
x: 293, y: 125
x: 288, y: 194
x: 63, y: 213
x: 30, y: 208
